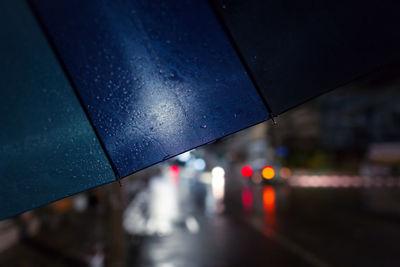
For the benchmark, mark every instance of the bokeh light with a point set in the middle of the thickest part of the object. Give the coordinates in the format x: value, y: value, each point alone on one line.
x: 268, y: 172
x: 199, y: 164
x: 247, y: 171
x: 174, y: 170
x: 285, y: 173
x: 184, y: 157
x: 256, y: 178
x: 218, y: 171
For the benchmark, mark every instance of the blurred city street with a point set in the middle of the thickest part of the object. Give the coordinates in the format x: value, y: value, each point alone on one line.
x: 321, y: 188
x: 275, y: 226
x: 175, y: 220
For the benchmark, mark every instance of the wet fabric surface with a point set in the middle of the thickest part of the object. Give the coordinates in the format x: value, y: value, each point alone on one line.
x: 156, y: 77
x: 299, y: 50
x: 48, y: 149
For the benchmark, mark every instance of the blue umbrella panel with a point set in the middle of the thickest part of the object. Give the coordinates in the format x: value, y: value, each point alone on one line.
x: 157, y: 77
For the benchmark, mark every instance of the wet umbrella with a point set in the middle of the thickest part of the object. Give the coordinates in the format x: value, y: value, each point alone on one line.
x: 94, y: 91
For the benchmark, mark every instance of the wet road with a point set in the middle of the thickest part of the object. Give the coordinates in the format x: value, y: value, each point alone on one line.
x: 338, y: 227
x: 264, y: 225
x: 221, y: 242
x: 208, y: 220
x: 191, y: 227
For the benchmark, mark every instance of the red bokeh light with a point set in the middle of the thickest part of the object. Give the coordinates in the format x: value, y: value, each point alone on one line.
x: 247, y: 171
x: 174, y: 170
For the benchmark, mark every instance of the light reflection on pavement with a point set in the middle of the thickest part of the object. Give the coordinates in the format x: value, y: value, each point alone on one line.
x: 188, y: 224
x: 170, y: 202
x: 184, y: 224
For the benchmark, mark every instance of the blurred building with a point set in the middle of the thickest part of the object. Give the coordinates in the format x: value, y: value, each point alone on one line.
x: 338, y: 130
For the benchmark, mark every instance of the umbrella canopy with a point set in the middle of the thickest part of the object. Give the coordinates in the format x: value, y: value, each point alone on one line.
x: 157, y: 78
x: 48, y: 149
x: 297, y: 50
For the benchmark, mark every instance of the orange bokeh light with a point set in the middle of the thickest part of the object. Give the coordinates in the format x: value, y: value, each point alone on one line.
x: 268, y: 172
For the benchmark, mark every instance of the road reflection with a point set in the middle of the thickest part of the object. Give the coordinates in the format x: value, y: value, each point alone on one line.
x: 269, y: 209
x: 172, y: 201
x: 155, y: 210
x: 247, y: 199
